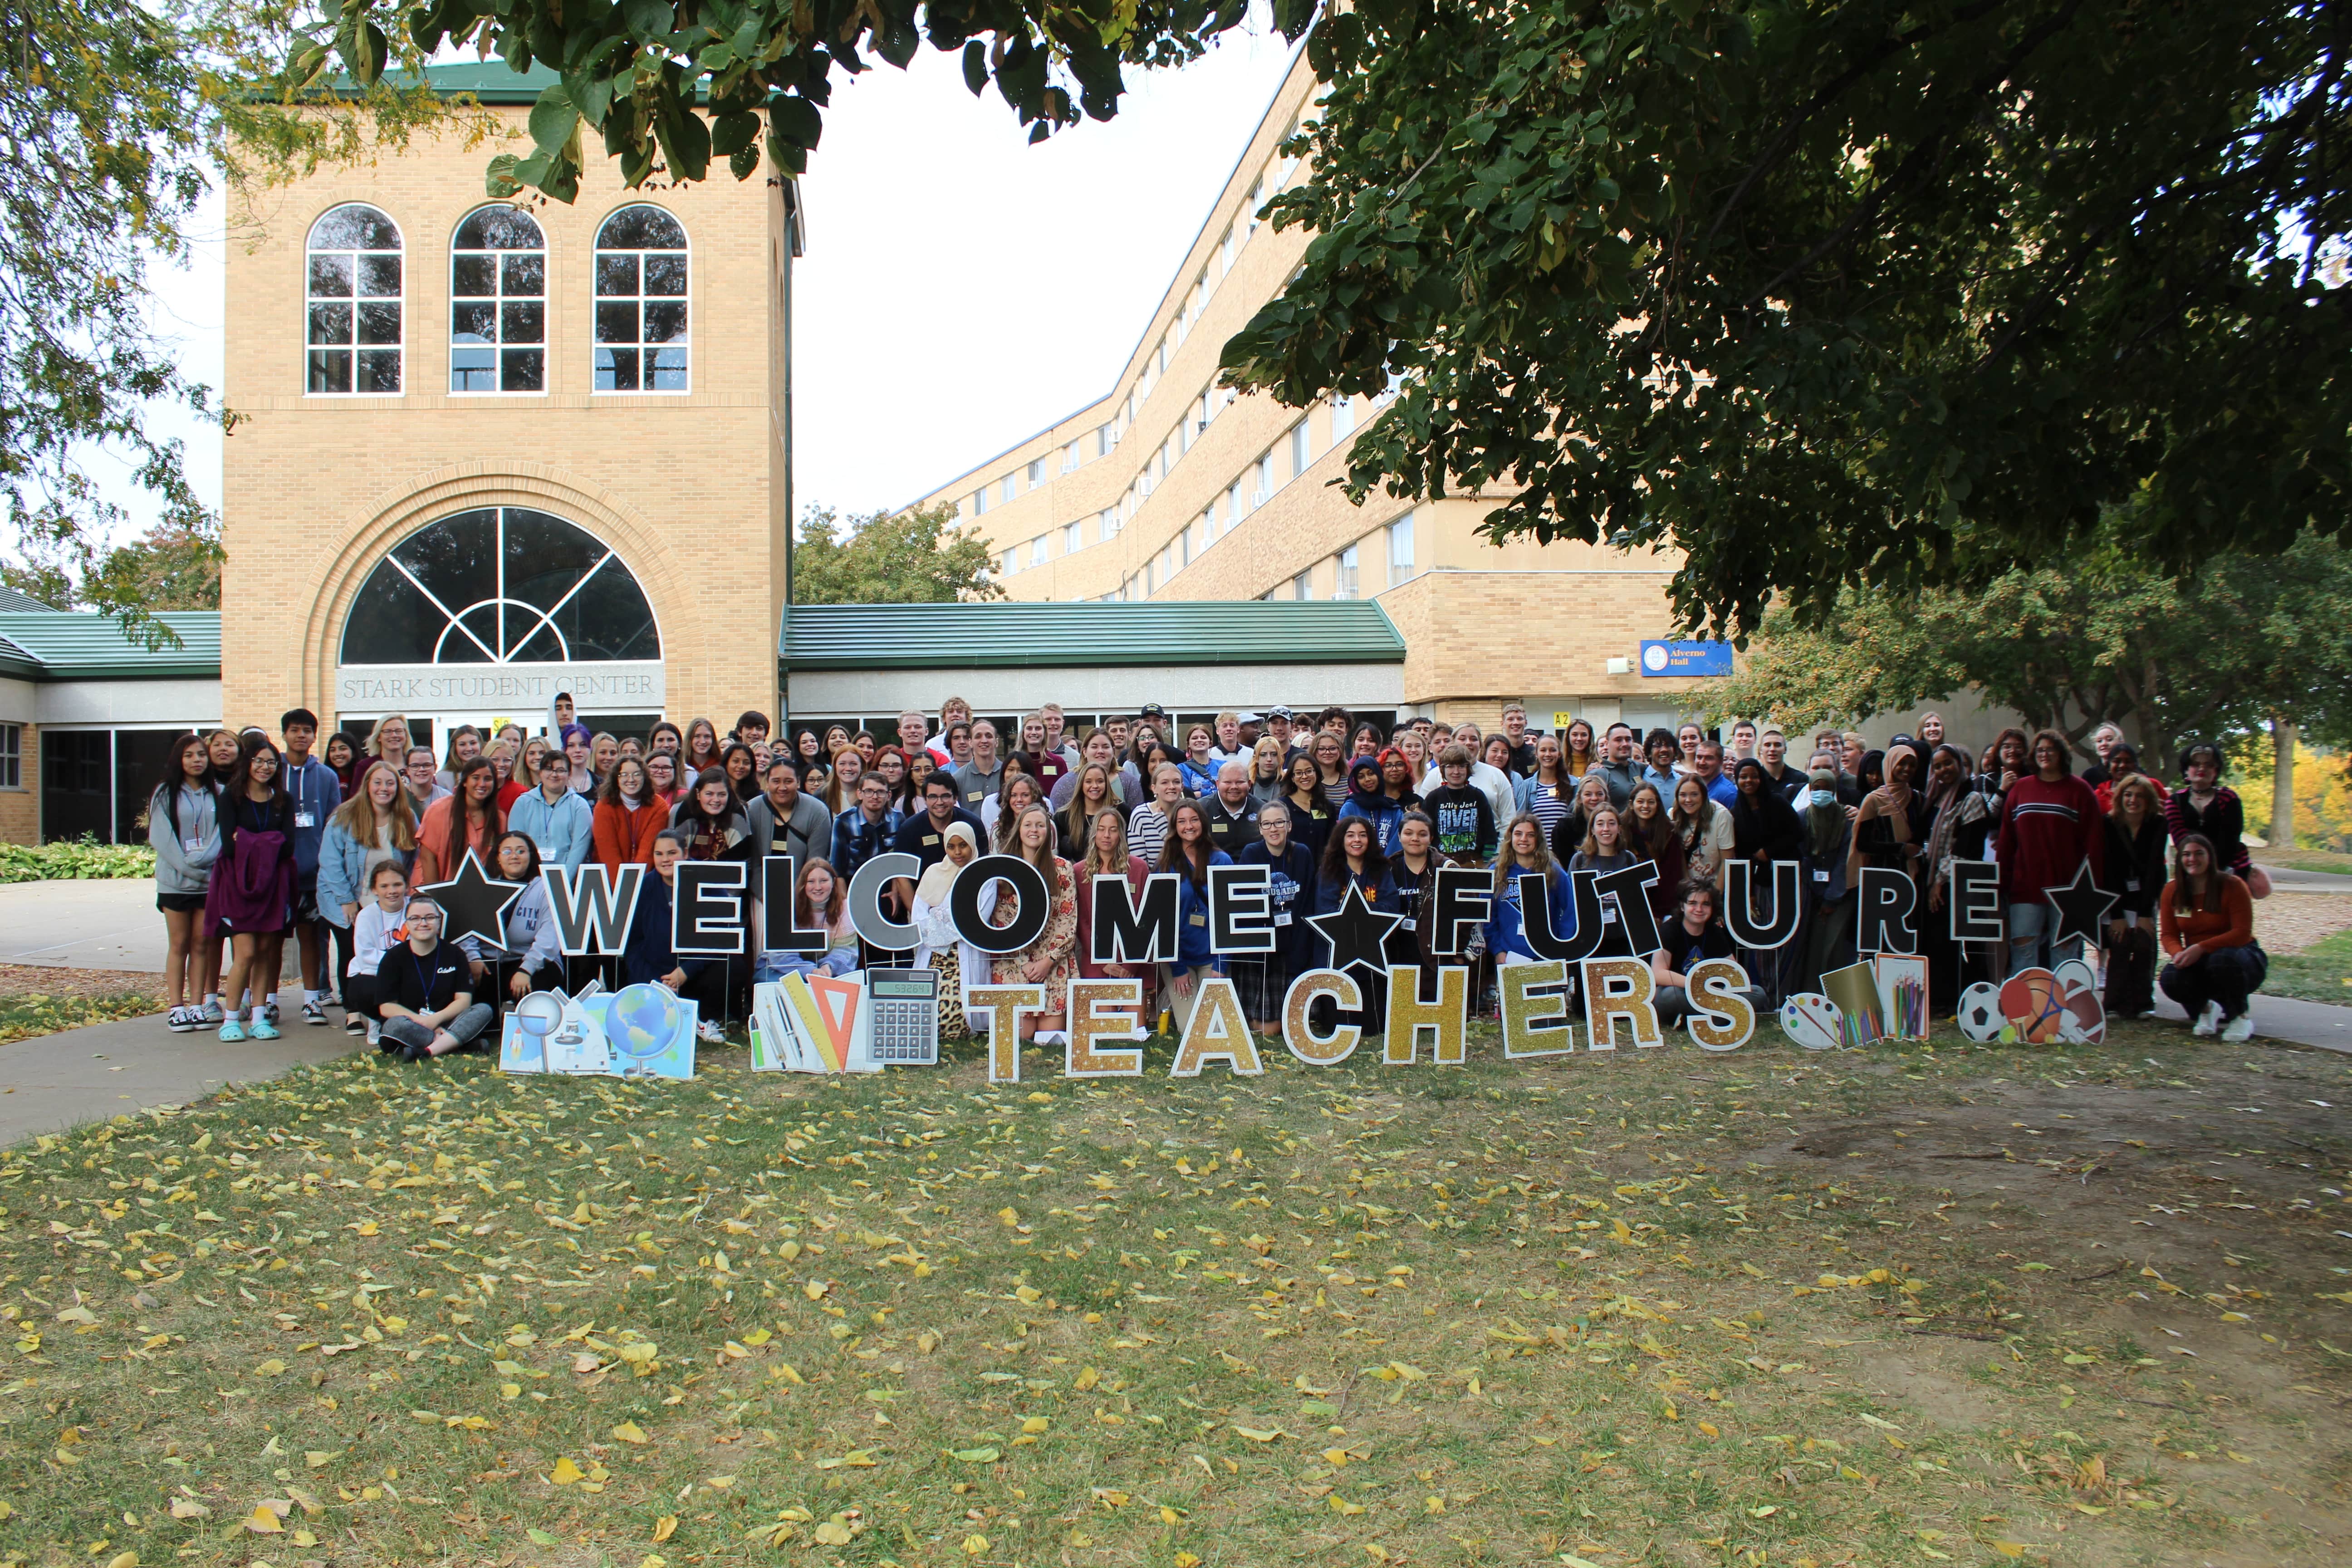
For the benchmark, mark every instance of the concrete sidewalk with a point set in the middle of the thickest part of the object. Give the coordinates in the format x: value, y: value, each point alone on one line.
x: 82, y: 925
x: 54, y: 1081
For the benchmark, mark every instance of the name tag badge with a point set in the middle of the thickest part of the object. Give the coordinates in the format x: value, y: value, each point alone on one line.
x: 1820, y: 876
x: 929, y: 839
x: 1607, y: 913
x: 2131, y: 884
x: 193, y: 845
x: 1199, y: 920
x: 1282, y: 918
x: 305, y: 819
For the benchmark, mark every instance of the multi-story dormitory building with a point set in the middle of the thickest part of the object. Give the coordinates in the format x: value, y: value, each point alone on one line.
x: 1167, y: 487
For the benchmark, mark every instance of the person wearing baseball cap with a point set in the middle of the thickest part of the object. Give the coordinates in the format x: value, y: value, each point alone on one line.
x: 1279, y: 720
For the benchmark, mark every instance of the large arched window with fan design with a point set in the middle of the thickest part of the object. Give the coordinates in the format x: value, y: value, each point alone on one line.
x: 501, y: 585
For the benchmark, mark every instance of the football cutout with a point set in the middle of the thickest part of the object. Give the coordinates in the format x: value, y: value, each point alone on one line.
x: 1979, y: 1016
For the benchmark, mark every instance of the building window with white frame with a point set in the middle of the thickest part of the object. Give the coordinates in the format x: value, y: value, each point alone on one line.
x: 1303, y: 586
x: 980, y: 502
x: 12, y: 756
x: 1301, y: 451
x: 1343, y: 417
x: 1343, y: 576
x: 1008, y: 489
x: 1071, y: 542
x: 1037, y: 550
x: 497, y: 302
x: 1012, y: 561
x: 1104, y: 440
x: 1264, y: 491
x: 1070, y: 458
x: 1107, y: 522
x: 1401, y: 558
x: 1037, y: 472
x: 641, y: 302
x: 1234, y: 505
x: 352, y: 327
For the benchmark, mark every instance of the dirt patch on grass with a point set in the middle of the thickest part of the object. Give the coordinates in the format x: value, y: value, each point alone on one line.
x: 18, y: 980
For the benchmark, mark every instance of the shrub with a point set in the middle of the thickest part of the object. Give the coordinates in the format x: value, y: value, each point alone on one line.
x: 82, y: 859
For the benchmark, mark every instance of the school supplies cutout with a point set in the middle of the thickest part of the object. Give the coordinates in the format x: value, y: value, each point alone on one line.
x: 1902, y: 981
x: 640, y: 1031
x: 1854, y: 989
x: 1812, y: 1021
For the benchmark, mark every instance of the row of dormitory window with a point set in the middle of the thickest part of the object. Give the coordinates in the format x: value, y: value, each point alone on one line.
x: 1341, y: 575
x: 1213, y: 401
x: 1258, y: 483
x: 357, y: 285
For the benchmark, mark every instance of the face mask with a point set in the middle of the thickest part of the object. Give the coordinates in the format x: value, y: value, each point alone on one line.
x: 1824, y: 797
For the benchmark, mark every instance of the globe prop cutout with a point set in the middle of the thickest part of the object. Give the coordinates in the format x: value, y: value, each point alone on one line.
x: 640, y: 1031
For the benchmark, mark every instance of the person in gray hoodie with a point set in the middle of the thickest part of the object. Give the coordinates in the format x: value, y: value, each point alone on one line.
x: 184, y: 826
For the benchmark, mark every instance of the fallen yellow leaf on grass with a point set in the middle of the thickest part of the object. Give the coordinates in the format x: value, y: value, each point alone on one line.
x: 720, y: 1483
x: 188, y: 1508
x: 974, y: 1545
x: 1029, y: 1293
x: 1341, y: 1505
x: 1187, y: 1559
x: 1033, y: 1423
x: 833, y: 1532
x: 1258, y: 1435
x: 263, y: 1521
x: 270, y: 1368
x: 629, y: 1431
x: 565, y: 1472
x: 1710, y: 1429
x: 1087, y: 1377
x: 125, y: 1559
x: 664, y: 1528
x: 2009, y: 1548
x: 1008, y: 1216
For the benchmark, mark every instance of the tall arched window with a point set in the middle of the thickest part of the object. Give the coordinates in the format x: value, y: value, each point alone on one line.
x: 641, y: 275
x: 501, y: 585
x: 352, y: 303
x: 497, y: 304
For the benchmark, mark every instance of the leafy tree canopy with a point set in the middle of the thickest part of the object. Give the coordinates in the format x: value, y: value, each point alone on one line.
x: 670, y: 84
x: 2241, y: 642
x: 1890, y: 293
x: 169, y: 567
x: 917, y: 557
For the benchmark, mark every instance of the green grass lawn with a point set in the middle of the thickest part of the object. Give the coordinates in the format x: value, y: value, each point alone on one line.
x: 27, y: 1015
x: 2306, y: 860
x: 1926, y: 1304
x: 2320, y: 973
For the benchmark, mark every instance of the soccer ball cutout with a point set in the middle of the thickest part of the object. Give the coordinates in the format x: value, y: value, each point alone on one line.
x: 1980, y: 1018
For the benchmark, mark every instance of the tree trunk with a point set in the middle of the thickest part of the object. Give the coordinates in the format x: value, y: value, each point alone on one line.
x: 2281, y: 834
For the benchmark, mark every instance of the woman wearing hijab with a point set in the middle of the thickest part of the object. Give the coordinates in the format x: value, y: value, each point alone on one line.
x: 1764, y: 829
x: 1368, y: 800
x: 1828, y: 835
x: 1891, y: 829
x: 960, y: 965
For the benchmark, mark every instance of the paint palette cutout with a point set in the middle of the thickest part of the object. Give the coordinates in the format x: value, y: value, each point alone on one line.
x: 1812, y: 1021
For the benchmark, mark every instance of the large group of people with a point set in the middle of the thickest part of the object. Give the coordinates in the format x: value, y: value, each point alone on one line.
x: 259, y: 839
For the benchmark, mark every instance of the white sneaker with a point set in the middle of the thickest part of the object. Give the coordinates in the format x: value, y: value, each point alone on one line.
x: 2239, y: 1029
x: 709, y: 1034
x: 2210, y: 1021
x: 186, y: 1020
x: 211, y: 1012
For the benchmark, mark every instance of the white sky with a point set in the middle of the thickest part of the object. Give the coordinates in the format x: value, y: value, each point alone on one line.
x: 961, y: 289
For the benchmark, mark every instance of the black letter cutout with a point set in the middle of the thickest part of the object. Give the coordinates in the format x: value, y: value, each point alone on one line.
x: 1788, y: 904
x: 1888, y: 899
x: 1028, y: 886
x: 1465, y: 897
x: 1128, y: 932
x: 1535, y: 918
x: 1973, y: 901
x: 1631, y: 885
x: 593, y: 908
x: 777, y: 931
x: 1241, y: 910
x: 706, y: 916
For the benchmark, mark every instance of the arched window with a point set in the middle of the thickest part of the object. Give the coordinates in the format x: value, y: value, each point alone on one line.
x: 501, y: 585
x: 641, y: 343
x: 497, y: 304
x: 352, y: 299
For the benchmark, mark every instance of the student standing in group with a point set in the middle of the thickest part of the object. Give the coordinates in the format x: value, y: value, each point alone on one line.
x: 786, y: 819
x: 579, y: 750
x: 1310, y: 811
x: 1650, y: 835
x: 984, y: 774
x: 1772, y: 750
x: 1526, y: 856
x: 1621, y: 771
x: 183, y: 826
x: 1091, y: 796
x: 1147, y: 826
x: 661, y: 773
x: 315, y: 791
x: 1522, y: 744
x: 557, y: 818
x: 1592, y: 797
x: 740, y: 766
x: 1578, y: 754
x: 1413, y: 871
x: 1331, y: 769
x: 701, y: 748
x: 1189, y: 853
x: 418, y: 773
x: 2203, y: 804
x: 2050, y: 826
x: 820, y: 903
x: 2133, y: 870
x: 377, y: 926
x: 1000, y: 813
x: 1262, y: 980
x: 1230, y: 812
x: 628, y: 814
x: 1702, y: 828
x: 2207, y: 926
x: 840, y: 787
x: 465, y: 745
x: 1765, y: 830
x: 1828, y: 834
x: 1267, y: 765
x: 1662, y: 763
x: 648, y: 957
x: 865, y: 830
x: 1547, y: 789
x: 344, y: 758
x: 1094, y: 751
x: 1466, y: 831
x: 530, y: 958
x: 1045, y: 764
x: 1105, y: 854
x: 1051, y: 959
x: 522, y: 777
x: 372, y: 829
x: 924, y: 834
x: 1368, y: 800
x: 707, y: 824
x: 465, y: 819
x: 959, y: 964
x: 1353, y: 859
x: 250, y: 896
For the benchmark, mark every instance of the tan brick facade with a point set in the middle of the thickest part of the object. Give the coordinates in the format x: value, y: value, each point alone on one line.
x: 20, y: 809
x: 317, y: 489
x: 1483, y: 623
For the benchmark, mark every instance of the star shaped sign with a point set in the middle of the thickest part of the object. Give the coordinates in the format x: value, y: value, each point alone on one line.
x: 2082, y: 904
x: 472, y: 904
x: 1356, y: 931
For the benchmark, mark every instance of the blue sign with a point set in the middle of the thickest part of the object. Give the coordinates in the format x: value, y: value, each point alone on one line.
x: 1685, y: 659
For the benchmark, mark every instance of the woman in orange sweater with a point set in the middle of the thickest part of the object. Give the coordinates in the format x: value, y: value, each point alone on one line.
x: 629, y: 812
x: 467, y: 819
x: 2206, y: 925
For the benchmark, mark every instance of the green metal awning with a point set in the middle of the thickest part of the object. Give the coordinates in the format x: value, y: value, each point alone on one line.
x: 999, y: 635
x: 64, y: 644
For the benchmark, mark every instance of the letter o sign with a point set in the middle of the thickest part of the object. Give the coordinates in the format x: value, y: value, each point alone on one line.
x: 1028, y: 885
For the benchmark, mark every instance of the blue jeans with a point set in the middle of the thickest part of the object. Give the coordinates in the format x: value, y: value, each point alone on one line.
x: 2029, y: 944
x: 2226, y: 976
